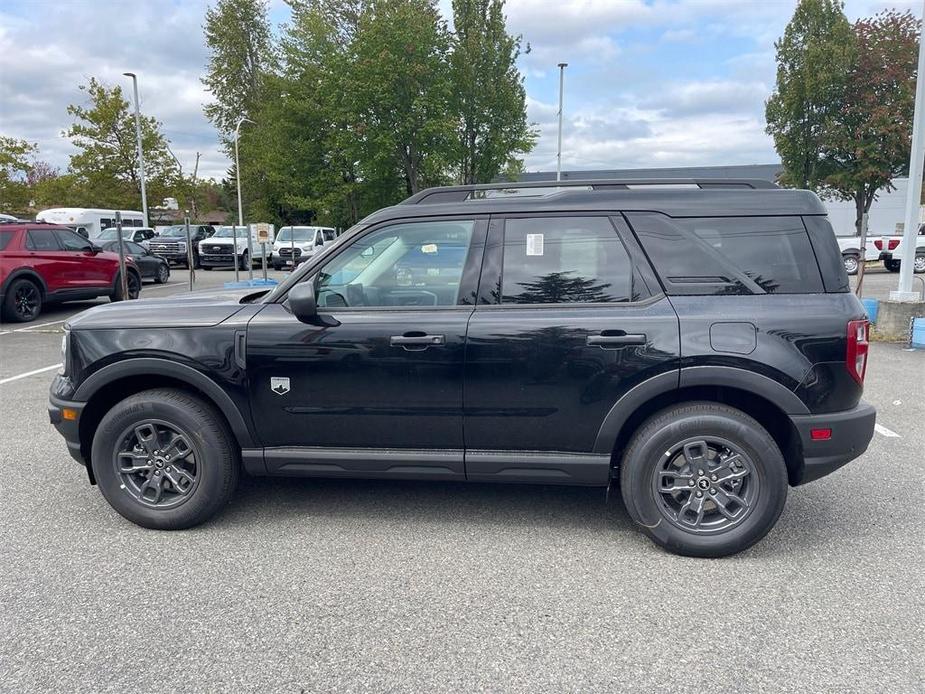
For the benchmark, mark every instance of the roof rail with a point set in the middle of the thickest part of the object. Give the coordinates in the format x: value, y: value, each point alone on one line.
x: 483, y: 190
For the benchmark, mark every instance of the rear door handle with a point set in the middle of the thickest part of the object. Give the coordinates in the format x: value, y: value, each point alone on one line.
x: 416, y: 340
x: 615, y: 338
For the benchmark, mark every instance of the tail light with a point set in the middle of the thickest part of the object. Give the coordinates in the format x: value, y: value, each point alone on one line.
x: 892, y: 244
x: 858, y: 344
x: 878, y: 244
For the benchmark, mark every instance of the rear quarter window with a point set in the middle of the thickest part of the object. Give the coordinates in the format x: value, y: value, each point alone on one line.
x: 5, y: 238
x: 729, y: 255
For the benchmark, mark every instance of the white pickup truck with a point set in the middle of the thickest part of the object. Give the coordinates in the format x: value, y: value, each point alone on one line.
x: 885, y: 248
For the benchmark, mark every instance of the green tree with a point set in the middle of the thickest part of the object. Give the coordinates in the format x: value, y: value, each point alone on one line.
x: 488, y: 93
x: 105, y: 167
x: 15, y: 165
x: 869, y: 142
x: 398, y: 90
x: 814, y: 57
x: 238, y: 35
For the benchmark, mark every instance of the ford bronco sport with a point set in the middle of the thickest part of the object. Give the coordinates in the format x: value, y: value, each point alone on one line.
x: 693, y: 343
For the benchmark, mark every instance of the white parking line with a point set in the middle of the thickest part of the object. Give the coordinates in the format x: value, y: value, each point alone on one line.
x: 29, y: 373
x: 32, y: 327
x: 883, y: 431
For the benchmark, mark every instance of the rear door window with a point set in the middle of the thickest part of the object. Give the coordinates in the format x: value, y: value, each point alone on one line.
x: 42, y: 240
x: 559, y: 260
x: 729, y: 255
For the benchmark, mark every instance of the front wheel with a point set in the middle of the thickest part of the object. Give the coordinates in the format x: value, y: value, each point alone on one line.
x: 851, y: 264
x: 243, y: 261
x: 703, y: 480
x: 163, y: 274
x: 133, y: 284
x: 163, y: 459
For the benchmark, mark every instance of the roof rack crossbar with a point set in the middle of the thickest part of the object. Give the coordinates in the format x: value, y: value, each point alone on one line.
x: 465, y: 192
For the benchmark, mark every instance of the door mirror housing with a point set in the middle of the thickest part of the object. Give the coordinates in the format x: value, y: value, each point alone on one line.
x: 302, y: 302
x: 92, y: 249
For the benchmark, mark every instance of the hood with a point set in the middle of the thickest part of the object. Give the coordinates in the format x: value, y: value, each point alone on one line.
x: 223, y: 240
x: 193, y: 310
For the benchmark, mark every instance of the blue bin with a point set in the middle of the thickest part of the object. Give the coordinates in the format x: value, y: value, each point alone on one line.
x: 918, y: 333
x: 870, y: 308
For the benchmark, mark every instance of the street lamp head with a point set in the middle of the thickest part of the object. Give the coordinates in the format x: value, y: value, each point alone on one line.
x: 129, y: 74
x: 561, y: 65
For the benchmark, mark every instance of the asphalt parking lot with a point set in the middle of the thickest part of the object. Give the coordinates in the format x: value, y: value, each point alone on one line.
x: 318, y: 585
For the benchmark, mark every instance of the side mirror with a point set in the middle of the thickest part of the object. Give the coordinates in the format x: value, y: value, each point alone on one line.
x: 302, y: 302
x: 92, y: 249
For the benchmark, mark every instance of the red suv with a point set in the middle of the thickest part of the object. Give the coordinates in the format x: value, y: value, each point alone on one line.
x: 42, y: 263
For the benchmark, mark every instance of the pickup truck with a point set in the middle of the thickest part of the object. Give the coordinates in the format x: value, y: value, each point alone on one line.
x: 850, y: 247
x: 891, y: 251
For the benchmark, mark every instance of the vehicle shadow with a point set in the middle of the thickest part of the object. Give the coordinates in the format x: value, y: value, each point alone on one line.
x: 285, y: 499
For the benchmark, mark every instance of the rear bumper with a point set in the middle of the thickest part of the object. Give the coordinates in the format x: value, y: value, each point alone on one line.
x: 852, y: 431
x: 68, y: 428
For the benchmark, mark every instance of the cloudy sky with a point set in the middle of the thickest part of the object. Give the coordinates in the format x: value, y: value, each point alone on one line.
x: 649, y: 83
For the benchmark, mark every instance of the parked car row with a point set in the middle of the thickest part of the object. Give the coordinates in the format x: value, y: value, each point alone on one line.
x: 887, y: 249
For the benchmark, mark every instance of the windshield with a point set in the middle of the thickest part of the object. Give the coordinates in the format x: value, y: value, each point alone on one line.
x: 228, y: 233
x: 296, y: 234
x: 110, y: 234
x: 175, y: 231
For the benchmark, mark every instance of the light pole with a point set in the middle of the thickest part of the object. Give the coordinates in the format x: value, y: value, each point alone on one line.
x: 904, y: 291
x: 141, y: 154
x: 237, y: 171
x: 562, y: 67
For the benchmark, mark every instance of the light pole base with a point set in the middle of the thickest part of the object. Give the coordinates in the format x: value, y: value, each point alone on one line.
x: 897, y: 295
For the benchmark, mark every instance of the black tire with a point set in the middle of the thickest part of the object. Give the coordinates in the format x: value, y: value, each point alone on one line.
x: 215, y: 461
x: 22, y: 302
x: 649, y: 461
x: 134, y: 287
x: 851, y: 262
x: 242, y: 263
x: 162, y: 274
x: 207, y: 268
x: 196, y: 262
x: 891, y: 265
x: 277, y: 267
x: 919, y: 265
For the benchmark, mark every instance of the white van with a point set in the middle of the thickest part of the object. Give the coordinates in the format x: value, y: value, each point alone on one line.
x: 295, y: 245
x: 87, y: 222
x: 219, y: 249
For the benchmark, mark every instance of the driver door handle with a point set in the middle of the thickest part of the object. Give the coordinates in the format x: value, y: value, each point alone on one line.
x: 416, y: 340
x: 615, y: 338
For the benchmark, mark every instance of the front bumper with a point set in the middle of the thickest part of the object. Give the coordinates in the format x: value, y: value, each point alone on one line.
x: 851, y: 430
x: 68, y: 428
x: 218, y: 259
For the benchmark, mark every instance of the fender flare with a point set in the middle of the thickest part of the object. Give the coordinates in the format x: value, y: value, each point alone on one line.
x: 851, y: 251
x: 692, y: 376
x: 25, y: 273
x: 149, y: 366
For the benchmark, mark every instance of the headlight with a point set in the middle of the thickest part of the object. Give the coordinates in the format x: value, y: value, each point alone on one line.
x: 181, y: 245
x: 65, y: 341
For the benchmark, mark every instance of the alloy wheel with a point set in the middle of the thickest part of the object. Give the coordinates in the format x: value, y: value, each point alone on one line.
x: 157, y: 463
x: 705, y: 485
x: 26, y: 301
x: 919, y: 264
x: 851, y: 264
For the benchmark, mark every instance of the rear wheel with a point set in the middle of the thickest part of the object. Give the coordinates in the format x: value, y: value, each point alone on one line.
x: 162, y: 274
x: 703, y: 479
x: 163, y: 459
x: 891, y: 265
x: 23, y: 301
x: 851, y: 263
x: 919, y: 265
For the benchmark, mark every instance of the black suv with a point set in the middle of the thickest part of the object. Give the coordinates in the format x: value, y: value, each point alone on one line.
x: 692, y: 342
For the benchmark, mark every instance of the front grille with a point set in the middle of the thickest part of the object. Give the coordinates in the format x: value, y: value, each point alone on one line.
x: 218, y: 250
x: 164, y: 247
x: 289, y: 252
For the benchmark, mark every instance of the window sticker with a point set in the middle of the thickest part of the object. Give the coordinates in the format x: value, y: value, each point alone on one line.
x: 534, y: 244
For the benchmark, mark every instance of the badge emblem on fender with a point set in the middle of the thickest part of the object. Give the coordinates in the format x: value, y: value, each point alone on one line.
x: 279, y: 384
